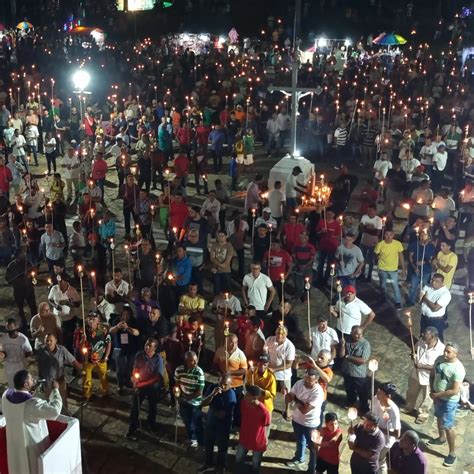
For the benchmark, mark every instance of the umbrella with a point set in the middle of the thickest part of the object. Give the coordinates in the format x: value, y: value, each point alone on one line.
x: 389, y: 39
x: 24, y: 25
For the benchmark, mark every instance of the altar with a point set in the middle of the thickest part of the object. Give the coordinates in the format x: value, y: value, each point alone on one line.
x: 282, y: 170
x: 64, y: 453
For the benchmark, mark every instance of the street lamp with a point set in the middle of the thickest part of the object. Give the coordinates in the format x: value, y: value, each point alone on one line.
x: 81, y: 79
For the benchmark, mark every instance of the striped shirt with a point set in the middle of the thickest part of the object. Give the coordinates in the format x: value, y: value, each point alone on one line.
x: 190, y: 380
x: 356, y: 349
x: 341, y: 135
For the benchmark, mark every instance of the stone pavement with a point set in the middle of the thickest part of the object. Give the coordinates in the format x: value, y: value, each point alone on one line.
x: 105, y: 421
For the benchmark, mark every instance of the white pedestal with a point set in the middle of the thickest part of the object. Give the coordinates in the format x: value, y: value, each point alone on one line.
x: 284, y: 167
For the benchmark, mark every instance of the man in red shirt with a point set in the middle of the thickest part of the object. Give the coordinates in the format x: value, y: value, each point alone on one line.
x: 329, y: 232
x: 252, y: 437
x: 185, y: 137
x: 99, y: 171
x: 181, y: 167
x: 278, y: 262
x: 202, y: 136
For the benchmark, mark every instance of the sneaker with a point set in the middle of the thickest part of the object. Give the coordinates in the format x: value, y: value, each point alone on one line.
x: 193, y: 444
x: 449, y: 460
x: 437, y: 442
x: 294, y: 463
x: 205, y: 468
x: 131, y: 435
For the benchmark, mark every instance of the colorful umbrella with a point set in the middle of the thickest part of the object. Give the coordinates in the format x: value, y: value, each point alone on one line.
x: 24, y: 25
x: 389, y: 39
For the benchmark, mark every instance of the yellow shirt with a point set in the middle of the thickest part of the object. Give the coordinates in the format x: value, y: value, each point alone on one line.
x: 388, y: 255
x: 196, y: 303
x: 267, y: 382
x: 449, y: 260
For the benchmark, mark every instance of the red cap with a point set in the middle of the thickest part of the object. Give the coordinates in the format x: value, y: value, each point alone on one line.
x: 349, y: 289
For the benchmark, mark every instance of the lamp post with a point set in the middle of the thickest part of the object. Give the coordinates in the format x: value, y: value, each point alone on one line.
x: 81, y: 79
x: 373, y: 366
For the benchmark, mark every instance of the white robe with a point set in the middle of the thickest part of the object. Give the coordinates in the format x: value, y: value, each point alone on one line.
x: 27, y: 431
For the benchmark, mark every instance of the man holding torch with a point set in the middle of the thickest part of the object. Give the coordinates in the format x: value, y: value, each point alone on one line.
x: 147, y: 376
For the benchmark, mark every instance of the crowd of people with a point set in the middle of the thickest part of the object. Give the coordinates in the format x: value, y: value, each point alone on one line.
x: 149, y: 317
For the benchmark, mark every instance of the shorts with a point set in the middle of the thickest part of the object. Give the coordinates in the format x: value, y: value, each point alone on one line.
x: 323, y: 466
x: 240, y: 159
x: 248, y: 160
x: 445, y: 410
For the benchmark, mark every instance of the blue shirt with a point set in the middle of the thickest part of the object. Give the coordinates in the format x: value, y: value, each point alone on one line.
x: 148, y: 368
x: 107, y: 229
x: 222, y: 406
x: 182, y: 268
x: 416, y: 249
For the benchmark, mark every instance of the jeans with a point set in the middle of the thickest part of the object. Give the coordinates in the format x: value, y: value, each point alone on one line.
x: 415, y: 284
x: 328, y: 258
x: 221, y: 282
x: 303, y: 439
x: 346, y: 280
x: 217, y: 433
x: 240, y: 456
x: 51, y: 161
x: 34, y: 151
x: 299, y: 275
x: 241, y: 260
x: 124, y: 364
x: 369, y: 254
x: 384, y: 276
x: 126, y: 215
x: 192, y: 419
x: 152, y: 393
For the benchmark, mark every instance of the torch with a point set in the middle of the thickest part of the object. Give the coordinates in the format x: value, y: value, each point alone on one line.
x: 251, y: 372
x: 470, y: 301
x: 332, y: 273
x: 410, y: 328
x: 127, y: 253
x: 253, y: 227
x: 226, y: 333
x: 80, y: 273
x: 176, y: 393
x: 352, y: 414
x: 373, y: 366
x: 112, y: 251
x: 158, y: 263
x: 282, y: 279
x: 200, y: 336
x: 307, y: 287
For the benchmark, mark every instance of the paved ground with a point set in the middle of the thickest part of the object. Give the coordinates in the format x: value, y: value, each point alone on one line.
x: 104, y: 422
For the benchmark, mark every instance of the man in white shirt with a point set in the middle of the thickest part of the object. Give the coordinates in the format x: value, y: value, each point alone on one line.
x: 65, y: 299
x: 211, y: 207
x: 19, y: 143
x: 273, y: 131
x: 381, y: 167
x: 323, y: 337
x: 428, y: 349
x: 257, y: 289
x: 440, y: 159
x: 15, y: 348
x: 276, y: 201
x: 426, y: 154
x: 117, y: 290
x: 267, y: 219
x: 434, y: 301
x: 293, y: 188
x: 371, y: 227
x: 71, y: 172
x: 308, y: 397
x: 281, y: 355
x: 349, y: 311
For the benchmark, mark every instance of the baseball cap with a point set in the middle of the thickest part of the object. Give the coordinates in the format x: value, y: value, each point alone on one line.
x: 348, y: 289
x: 267, y: 210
